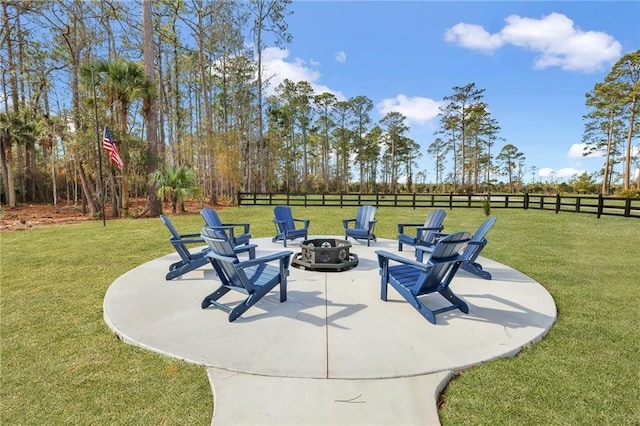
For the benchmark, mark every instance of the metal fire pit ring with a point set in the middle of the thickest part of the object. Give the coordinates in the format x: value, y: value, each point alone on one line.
x: 325, y: 254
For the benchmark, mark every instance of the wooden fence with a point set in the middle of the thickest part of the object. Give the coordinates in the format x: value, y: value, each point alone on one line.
x: 598, y: 204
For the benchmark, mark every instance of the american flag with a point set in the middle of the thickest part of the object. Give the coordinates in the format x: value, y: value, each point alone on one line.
x: 110, y: 147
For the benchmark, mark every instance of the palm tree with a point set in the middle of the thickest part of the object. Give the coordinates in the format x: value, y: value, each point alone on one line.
x: 176, y: 184
x: 122, y: 82
x: 12, y: 129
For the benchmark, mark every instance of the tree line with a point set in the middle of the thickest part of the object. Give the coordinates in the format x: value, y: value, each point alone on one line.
x: 183, y: 91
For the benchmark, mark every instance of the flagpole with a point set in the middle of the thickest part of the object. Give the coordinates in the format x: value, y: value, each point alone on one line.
x: 95, y: 106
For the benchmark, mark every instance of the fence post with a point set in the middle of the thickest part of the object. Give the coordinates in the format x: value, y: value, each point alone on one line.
x: 377, y: 197
x: 451, y: 201
x: 600, y: 205
x: 526, y: 201
x: 627, y: 207
x: 557, y: 202
x: 340, y: 199
x: 414, y: 200
x: 239, y: 199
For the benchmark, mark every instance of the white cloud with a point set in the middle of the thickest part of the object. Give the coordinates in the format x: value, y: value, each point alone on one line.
x: 555, y: 37
x: 276, y: 68
x: 577, y: 149
x: 340, y: 57
x: 561, y: 174
x: 473, y: 37
x: 568, y: 172
x: 418, y: 110
x: 546, y: 172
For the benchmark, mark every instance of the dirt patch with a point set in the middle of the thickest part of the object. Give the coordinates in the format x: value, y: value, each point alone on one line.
x: 30, y: 216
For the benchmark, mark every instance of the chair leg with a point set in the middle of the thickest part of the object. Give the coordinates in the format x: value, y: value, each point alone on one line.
x: 242, y: 307
x: 455, y: 300
x: 213, y: 297
x: 476, y: 269
x: 425, y: 312
x: 383, y: 290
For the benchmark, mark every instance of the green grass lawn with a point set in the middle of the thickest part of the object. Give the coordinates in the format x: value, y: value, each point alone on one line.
x: 61, y: 364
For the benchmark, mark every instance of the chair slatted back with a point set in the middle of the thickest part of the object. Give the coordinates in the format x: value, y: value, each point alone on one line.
x: 210, y: 217
x: 283, y: 214
x: 175, y: 239
x: 442, y: 271
x: 365, y: 215
x: 228, y: 273
x: 434, y: 220
x: 169, y: 225
x: 472, y: 250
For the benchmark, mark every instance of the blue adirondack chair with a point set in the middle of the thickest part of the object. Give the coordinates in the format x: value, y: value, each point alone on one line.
x: 470, y: 252
x: 425, y: 234
x: 254, y: 277
x: 285, y: 225
x: 475, y: 246
x: 188, y: 261
x: 240, y: 241
x: 362, y: 226
x: 413, y: 279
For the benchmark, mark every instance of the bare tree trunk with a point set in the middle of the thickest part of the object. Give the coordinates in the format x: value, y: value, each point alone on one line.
x: 607, y: 164
x: 149, y: 110
x: 627, y: 165
x: 13, y: 84
x: 86, y: 189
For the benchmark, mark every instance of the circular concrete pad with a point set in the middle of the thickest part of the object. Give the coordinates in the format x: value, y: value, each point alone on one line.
x: 333, y: 325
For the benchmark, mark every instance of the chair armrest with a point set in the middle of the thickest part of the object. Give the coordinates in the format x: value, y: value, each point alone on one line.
x: 439, y: 235
x: 227, y: 228
x: 189, y: 235
x: 428, y: 228
x: 345, y: 222
x: 305, y: 222
x: 264, y: 259
x: 392, y: 256
x: 402, y: 225
x: 187, y: 240
x: 245, y: 226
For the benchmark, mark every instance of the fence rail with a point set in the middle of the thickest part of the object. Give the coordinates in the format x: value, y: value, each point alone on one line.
x: 591, y: 204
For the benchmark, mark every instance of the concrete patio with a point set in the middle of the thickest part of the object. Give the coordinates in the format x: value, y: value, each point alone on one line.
x: 333, y: 353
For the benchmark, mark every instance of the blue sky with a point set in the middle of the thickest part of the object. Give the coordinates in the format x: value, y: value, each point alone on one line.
x: 535, y: 60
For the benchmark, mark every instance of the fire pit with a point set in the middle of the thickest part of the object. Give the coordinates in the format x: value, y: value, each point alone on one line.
x: 325, y: 254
